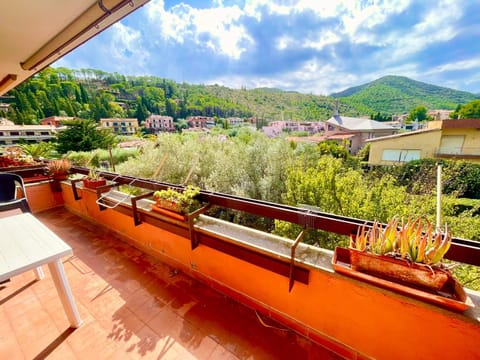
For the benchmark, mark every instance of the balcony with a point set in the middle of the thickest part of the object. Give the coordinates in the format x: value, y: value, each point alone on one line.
x: 133, y: 307
x: 458, y: 153
x: 152, y: 287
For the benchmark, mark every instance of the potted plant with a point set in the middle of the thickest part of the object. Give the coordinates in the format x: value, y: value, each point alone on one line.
x: 409, y: 253
x: 180, y: 202
x: 59, y: 169
x: 93, y: 180
x: 405, y: 258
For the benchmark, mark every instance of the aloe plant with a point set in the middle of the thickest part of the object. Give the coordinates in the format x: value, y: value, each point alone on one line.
x: 415, y: 240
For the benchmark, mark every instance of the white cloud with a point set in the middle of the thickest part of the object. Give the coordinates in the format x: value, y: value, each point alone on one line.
x: 325, y: 38
x: 183, y: 23
x: 457, y: 65
x: 439, y: 24
x: 345, y: 43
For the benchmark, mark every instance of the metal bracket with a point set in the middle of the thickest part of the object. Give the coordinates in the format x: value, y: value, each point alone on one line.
x: 292, y: 259
x: 74, y: 188
x: 190, y: 218
x: 136, y: 216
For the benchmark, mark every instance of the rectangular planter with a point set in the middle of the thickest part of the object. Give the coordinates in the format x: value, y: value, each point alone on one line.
x: 451, y: 296
x: 399, y: 270
x: 92, y: 184
x: 170, y: 213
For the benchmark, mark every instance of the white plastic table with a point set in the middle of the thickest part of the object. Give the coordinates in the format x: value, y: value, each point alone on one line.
x: 27, y: 244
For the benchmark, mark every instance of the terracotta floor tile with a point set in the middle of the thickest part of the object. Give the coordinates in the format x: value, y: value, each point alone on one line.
x: 133, y: 307
x: 91, y: 341
x: 145, y: 344
x: 9, y: 346
x: 191, y: 338
x: 220, y: 353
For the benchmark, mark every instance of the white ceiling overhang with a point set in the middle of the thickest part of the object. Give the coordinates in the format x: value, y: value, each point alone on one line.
x: 34, y: 34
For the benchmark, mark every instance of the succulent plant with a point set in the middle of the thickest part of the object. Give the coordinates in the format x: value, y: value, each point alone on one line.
x: 415, y: 240
x: 59, y: 166
x: 185, y: 200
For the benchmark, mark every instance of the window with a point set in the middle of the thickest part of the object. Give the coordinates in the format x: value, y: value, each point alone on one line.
x: 44, y: 133
x: 14, y: 133
x: 29, y: 133
x: 402, y: 155
x: 451, y: 144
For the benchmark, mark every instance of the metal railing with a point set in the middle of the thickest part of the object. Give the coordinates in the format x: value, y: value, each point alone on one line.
x: 462, y: 250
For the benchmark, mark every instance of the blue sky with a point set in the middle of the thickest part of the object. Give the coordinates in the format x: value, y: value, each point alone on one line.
x: 310, y: 46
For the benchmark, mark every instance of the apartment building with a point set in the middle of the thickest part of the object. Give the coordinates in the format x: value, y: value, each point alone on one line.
x: 159, y: 123
x: 13, y: 134
x: 120, y: 126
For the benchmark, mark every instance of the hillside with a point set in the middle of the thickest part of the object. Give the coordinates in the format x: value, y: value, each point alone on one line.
x: 94, y: 94
x: 397, y: 94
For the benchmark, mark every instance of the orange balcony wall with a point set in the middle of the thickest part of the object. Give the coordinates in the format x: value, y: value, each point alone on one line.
x: 41, y: 196
x: 352, y: 318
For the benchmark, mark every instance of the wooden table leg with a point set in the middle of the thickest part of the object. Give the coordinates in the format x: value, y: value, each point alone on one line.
x: 63, y: 289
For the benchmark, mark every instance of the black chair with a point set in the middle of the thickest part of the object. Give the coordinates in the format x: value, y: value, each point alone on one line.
x: 9, y: 184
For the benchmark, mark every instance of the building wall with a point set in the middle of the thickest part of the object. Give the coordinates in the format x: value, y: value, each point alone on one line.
x: 13, y: 134
x: 426, y: 142
x: 157, y: 123
x: 471, y: 143
x: 120, y: 126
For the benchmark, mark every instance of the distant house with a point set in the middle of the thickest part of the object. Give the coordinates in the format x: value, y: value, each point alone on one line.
x: 55, y: 120
x: 356, y: 130
x: 200, y: 122
x: 446, y: 139
x: 439, y: 114
x: 14, y: 134
x: 159, y: 123
x: 232, y: 121
x: 275, y: 128
x: 121, y: 126
x: 4, y: 107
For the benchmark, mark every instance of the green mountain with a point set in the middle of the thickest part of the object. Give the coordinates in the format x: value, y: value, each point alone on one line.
x: 398, y: 94
x: 94, y: 94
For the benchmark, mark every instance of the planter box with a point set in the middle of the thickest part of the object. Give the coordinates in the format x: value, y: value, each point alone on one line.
x: 170, y: 213
x: 451, y: 296
x: 168, y: 205
x: 92, y: 184
x: 399, y: 270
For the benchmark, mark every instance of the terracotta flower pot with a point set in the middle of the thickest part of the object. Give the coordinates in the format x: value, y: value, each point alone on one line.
x: 93, y: 183
x: 59, y: 176
x: 399, y: 270
x: 170, y: 213
x: 169, y: 205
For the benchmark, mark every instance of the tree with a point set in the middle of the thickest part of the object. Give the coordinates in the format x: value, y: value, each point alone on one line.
x: 83, y: 135
x: 467, y: 111
x: 418, y: 113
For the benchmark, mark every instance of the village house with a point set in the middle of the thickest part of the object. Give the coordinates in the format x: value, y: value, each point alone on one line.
x: 159, y: 123
x: 200, y: 122
x: 445, y: 139
x: 55, y: 120
x: 120, y: 126
x: 355, y: 131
